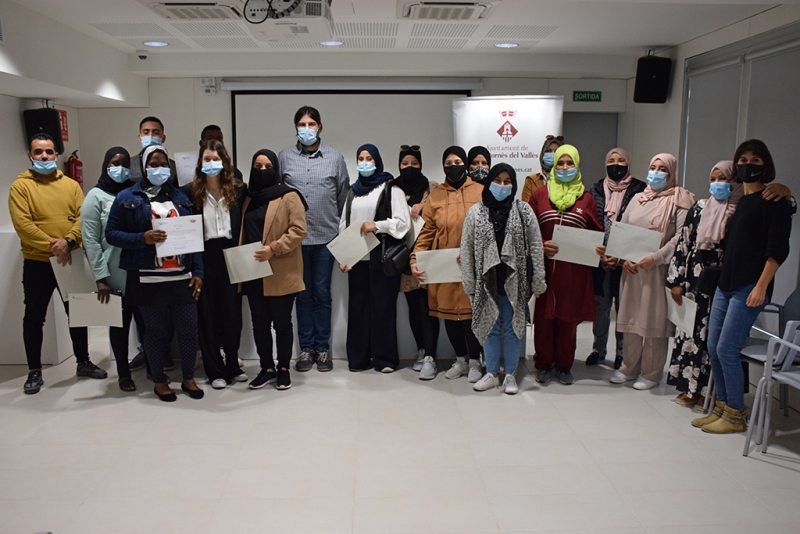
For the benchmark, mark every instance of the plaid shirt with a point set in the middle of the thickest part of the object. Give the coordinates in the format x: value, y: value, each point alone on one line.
x: 322, y: 178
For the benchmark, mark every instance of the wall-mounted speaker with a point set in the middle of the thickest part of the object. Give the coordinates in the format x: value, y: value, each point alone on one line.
x: 43, y: 120
x: 652, y: 80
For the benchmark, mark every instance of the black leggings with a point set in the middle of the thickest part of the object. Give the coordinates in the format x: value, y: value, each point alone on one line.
x: 463, y: 340
x: 159, y: 323
x: 424, y: 326
x: 270, y: 312
x: 119, y: 338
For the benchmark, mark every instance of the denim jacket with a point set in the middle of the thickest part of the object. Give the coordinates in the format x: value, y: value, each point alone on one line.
x: 131, y: 216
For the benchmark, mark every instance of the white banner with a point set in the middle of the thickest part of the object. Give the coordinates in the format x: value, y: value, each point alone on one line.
x: 513, y: 128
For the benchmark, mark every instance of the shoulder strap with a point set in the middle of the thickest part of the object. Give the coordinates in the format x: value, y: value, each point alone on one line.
x: 348, y: 205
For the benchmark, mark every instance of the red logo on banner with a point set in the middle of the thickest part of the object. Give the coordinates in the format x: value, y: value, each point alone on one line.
x: 62, y: 114
x: 507, y: 131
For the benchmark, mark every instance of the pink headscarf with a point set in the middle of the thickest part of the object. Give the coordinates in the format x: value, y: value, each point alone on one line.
x: 671, y: 195
x: 714, y: 219
x: 615, y: 191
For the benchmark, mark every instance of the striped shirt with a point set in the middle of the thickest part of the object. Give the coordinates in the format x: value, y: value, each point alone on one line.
x: 322, y: 178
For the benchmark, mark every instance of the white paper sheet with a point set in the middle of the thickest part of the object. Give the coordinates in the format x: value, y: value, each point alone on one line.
x: 242, y: 265
x: 440, y: 266
x: 185, y: 164
x: 350, y: 247
x: 413, y: 234
x: 632, y: 243
x: 576, y: 245
x: 681, y: 316
x: 86, y: 310
x: 76, y: 277
x: 184, y: 235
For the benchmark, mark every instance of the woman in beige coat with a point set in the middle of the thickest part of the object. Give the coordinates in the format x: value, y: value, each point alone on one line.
x: 274, y: 214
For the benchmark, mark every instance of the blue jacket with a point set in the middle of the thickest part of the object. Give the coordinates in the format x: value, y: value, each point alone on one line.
x: 131, y: 217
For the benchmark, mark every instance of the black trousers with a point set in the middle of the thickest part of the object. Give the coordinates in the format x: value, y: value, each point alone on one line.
x: 372, y: 318
x: 424, y: 326
x: 119, y: 338
x: 219, y: 314
x: 160, y: 322
x: 268, y: 312
x: 38, y: 284
x: 463, y: 339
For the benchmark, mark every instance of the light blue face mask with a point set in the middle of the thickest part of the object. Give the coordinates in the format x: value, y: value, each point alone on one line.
x: 148, y: 140
x: 44, y: 168
x: 119, y: 174
x: 307, y: 136
x: 211, y: 168
x: 657, y: 180
x: 567, y: 175
x: 158, y: 175
x: 366, y: 169
x: 500, y: 192
x: 549, y: 158
x: 720, y: 190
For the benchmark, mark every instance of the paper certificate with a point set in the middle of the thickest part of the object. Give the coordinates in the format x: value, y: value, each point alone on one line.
x: 185, y: 164
x: 184, y: 235
x: 681, y: 316
x: 86, y: 310
x: 413, y: 234
x: 76, y: 277
x: 440, y: 266
x: 576, y: 245
x: 632, y: 243
x: 350, y: 247
x: 242, y: 264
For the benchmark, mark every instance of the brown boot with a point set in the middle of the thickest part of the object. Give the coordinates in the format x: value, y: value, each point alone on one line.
x: 716, y: 413
x: 732, y: 420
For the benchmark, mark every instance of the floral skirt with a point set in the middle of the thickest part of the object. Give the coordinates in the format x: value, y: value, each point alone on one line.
x: 690, y: 365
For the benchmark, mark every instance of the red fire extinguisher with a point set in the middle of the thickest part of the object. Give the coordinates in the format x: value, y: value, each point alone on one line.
x: 74, y: 168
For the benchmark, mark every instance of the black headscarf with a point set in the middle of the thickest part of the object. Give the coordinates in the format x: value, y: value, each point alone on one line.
x: 365, y: 184
x: 411, y: 180
x: 457, y: 151
x: 265, y: 184
x: 499, y: 209
x: 106, y: 183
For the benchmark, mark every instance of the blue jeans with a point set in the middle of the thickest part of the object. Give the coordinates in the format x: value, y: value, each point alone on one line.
x: 314, y: 304
x: 728, y: 326
x: 511, y: 343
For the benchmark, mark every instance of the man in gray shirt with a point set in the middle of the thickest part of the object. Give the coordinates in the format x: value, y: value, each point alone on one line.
x: 320, y: 174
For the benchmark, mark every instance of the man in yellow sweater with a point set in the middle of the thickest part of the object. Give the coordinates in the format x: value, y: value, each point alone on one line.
x: 45, y: 208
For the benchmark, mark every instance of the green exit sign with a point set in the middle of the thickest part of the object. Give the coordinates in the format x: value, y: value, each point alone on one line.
x: 587, y: 96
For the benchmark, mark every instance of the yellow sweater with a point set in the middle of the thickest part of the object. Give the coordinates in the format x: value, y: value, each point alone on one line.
x: 44, y: 208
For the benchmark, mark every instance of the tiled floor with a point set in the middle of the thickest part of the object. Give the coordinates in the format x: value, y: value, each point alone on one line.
x: 372, y: 453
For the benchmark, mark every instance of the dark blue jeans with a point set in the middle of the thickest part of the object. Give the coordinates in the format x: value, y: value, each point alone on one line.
x: 314, y: 304
x: 728, y: 326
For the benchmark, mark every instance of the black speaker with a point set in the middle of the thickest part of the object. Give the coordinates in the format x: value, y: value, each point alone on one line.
x: 652, y: 80
x: 43, y: 120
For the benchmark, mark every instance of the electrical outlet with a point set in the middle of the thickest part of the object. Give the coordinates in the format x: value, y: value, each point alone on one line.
x: 211, y: 90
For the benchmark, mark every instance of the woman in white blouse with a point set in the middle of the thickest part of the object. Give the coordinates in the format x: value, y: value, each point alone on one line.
x: 377, y: 206
x: 217, y: 196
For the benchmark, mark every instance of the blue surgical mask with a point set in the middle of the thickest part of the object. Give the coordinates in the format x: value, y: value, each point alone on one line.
x: 119, y: 174
x: 148, y: 140
x: 657, y: 180
x: 720, y: 190
x: 44, y: 168
x: 211, y: 168
x: 549, y: 158
x: 158, y: 175
x: 366, y: 168
x: 500, y: 192
x: 567, y: 175
x: 307, y: 136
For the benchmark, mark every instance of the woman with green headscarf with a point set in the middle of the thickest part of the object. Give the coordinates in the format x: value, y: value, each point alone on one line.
x: 569, y: 298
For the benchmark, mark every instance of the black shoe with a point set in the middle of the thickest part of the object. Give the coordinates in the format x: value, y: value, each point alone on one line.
x: 617, y: 362
x: 34, y: 383
x: 324, y: 362
x: 193, y: 393
x: 89, y: 369
x: 167, y: 397
x: 594, y: 358
x: 266, y: 376
x: 565, y: 377
x: 284, y: 382
x: 138, y: 362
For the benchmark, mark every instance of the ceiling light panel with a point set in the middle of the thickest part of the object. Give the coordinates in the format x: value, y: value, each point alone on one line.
x: 172, y: 42
x: 489, y: 44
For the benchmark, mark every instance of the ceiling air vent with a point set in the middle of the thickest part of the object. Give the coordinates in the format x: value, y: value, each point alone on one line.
x: 443, y: 10
x: 197, y: 10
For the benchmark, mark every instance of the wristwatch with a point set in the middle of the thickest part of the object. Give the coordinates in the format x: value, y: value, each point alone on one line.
x: 70, y: 242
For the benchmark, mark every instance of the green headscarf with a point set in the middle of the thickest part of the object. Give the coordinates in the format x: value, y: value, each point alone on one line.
x: 562, y: 194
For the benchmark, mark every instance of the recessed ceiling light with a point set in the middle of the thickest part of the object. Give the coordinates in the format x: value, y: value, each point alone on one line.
x: 331, y: 43
x: 506, y: 45
x: 155, y: 43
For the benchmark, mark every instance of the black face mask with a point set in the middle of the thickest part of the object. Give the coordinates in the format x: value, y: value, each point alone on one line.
x: 456, y: 175
x: 410, y: 173
x: 617, y: 172
x: 750, y: 172
x: 262, y: 178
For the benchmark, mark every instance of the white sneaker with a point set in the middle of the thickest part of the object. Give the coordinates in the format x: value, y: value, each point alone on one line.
x: 510, y: 385
x: 642, y: 384
x: 219, y: 383
x: 619, y: 378
x: 241, y: 377
x: 418, y: 363
x: 488, y: 381
x: 428, y: 371
x: 458, y: 369
x: 474, y: 371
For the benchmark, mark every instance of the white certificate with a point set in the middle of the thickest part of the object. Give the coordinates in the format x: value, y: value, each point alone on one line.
x: 632, y: 243
x: 350, y: 247
x: 242, y: 264
x: 681, y: 316
x: 185, y: 164
x: 184, y: 235
x: 86, y: 310
x: 440, y: 266
x: 76, y: 277
x: 413, y: 234
x: 576, y: 245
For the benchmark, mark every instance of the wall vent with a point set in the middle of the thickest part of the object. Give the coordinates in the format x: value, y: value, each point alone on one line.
x: 444, y: 10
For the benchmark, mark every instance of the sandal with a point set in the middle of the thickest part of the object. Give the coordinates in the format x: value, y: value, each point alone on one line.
x: 126, y: 384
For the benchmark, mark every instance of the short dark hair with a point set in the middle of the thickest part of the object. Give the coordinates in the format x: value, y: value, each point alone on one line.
x: 41, y: 136
x: 208, y: 129
x: 151, y: 119
x: 311, y: 112
x: 759, y: 148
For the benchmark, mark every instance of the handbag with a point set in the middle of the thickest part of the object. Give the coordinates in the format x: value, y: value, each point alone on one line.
x: 528, y: 259
x: 394, y: 257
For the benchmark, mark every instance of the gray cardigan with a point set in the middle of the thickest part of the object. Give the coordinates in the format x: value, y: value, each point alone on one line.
x: 478, y: 256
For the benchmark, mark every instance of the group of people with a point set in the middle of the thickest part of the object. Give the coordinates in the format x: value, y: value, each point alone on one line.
x: 722, y: 252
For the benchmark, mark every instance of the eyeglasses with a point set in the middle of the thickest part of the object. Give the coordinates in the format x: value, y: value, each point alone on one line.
x: 412, y: 148
x: 557, y: 138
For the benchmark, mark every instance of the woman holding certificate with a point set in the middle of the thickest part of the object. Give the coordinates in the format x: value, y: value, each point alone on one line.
x: 642, y: 317
x: 165, y: 289
x: 569, y: 298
